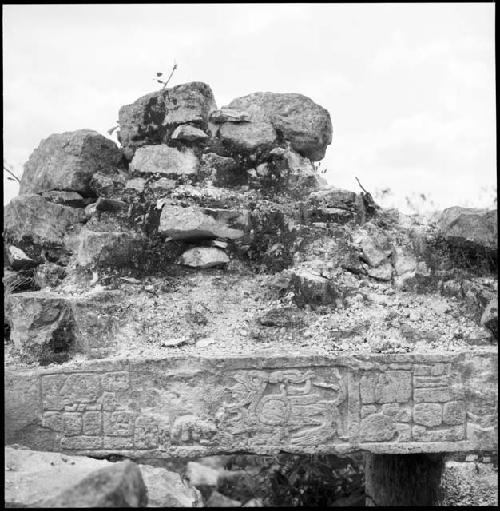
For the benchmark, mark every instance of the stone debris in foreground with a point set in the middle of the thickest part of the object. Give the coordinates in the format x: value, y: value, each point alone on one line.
x: 36, y: 476
x: 120, y: 485
x: 399, y: 404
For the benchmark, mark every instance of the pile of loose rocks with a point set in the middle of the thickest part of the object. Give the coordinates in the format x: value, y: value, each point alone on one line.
x: 198, y: 188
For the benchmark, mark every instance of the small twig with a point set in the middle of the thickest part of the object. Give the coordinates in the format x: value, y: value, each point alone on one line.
x: 171, y: 73
x: 110, y: 131
x: 11, y: 173
x: 168, y: 79
x: 361, y: 186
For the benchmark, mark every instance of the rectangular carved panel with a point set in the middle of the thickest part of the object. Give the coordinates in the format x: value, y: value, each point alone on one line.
x: 194, y: 406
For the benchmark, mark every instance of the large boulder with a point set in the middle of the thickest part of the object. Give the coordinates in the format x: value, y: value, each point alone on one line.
x: 117, y: 485
x: 152, y: 118
x: 194, y: 223
x: 67, y: 161
x: 297, y: 118
x: 31, y: 476
x: 248, y: 137
x: 31, y: 217
x: 165, y: 160
x: 479, y: 226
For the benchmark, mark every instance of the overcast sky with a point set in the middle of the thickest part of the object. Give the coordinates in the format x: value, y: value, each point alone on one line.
x: 410, y: 87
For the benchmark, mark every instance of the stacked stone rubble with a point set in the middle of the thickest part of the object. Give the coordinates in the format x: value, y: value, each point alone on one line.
x: 199, y: 187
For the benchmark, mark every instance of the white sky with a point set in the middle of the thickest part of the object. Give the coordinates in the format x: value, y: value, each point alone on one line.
x: 410, y: 87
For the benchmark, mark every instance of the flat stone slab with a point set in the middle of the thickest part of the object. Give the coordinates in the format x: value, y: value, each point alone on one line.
x: 199, y: 406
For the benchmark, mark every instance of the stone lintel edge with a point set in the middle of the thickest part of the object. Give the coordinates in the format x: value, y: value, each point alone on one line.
x: 199, y: 363
x: 186, y: 452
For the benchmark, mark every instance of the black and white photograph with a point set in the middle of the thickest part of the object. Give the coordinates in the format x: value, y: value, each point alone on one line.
x: 250, y: 255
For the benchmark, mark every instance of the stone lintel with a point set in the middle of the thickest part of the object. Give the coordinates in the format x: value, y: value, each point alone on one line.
x: 299, y: 403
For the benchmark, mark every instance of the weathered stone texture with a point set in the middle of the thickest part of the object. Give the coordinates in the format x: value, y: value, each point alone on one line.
x: 468, y: 484
x: 117, y: 249
x: 306, y: 125
x: 32, y: 476
x: 161, y: 159
x: 311, y: 404
x: 204, y: 257
x: 47, y: 327
x: 118, y: 485
x: 45, y: 223
x: 193, y: 223
x: 248, y: 137
x: 150, y: 119
x: 479, y: 226
x: 67, y: 161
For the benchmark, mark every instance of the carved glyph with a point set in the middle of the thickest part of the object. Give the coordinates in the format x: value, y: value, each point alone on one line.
x: 292, y: 406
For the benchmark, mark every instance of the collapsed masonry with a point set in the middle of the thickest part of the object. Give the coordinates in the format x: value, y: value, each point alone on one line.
x: 201, y: 289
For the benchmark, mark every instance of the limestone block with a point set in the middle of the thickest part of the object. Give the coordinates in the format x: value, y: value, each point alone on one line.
x: 229, y: 115
x: 204, y: 257
x: 18, y: 260
x: 190, y: 406
x: 164, y: 160
x: 302, y: 122
x: 388, y: 387
x: 479, y: 226
x: 138, y: 184
x: 144, y: 122
x: 119, y: 249
x: 248, y: 137
x: 194, y: 223
x: 312, y: 289
x: 187, y: 133
x: 67, y: 161
x: 45, y: 223
x: 118, y: 485
x: 73, y: 199
x: 377, y: 428
x: 403, y: 262
x: 454, y: 412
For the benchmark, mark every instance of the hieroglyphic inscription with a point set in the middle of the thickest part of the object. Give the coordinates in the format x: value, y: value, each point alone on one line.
x: 299, y: 407
x: 251, y: 408
x: 415, y: 404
